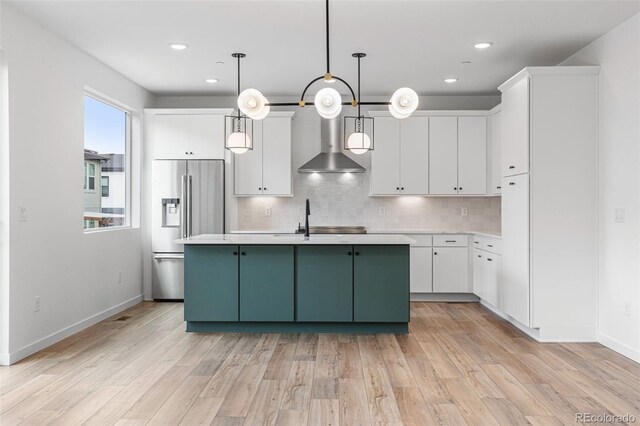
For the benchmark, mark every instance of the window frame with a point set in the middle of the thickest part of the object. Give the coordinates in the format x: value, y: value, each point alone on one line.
x: 129, y: 112
x: 103, y: 186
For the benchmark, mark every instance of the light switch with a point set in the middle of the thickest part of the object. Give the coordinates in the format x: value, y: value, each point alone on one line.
x: 464, y: 211
x: 382, y: 211
x: 619, y: 217
x: 267, y: 211
x: 24, y: 214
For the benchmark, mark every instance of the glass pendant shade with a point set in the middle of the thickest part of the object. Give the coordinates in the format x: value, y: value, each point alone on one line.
x: 238, y: 142
x: 328, y: 102
x: 359, y: 143
x: 253, y: 104
x: 403, y: 102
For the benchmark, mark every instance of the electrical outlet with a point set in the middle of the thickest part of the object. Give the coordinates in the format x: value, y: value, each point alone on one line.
x: 627, y: 308
x: 464, y: 211
x: 119, y: 277
x: 267, y: 211
x: 382, y: 211
x: 36, y: 306
x: 619, y: 215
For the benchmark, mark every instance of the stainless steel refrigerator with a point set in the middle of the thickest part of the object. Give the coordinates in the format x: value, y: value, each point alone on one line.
x: 187, y: 200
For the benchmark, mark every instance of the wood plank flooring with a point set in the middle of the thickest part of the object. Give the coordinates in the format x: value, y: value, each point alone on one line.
x: 459, y: 365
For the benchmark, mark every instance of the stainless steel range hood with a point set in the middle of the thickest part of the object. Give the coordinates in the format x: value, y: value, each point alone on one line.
x: 331, y: 158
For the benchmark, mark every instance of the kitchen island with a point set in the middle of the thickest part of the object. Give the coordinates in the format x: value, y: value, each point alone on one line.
x: 292, y: 283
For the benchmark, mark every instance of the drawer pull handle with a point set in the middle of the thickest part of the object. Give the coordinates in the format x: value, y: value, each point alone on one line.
x: 479, y: 255
x: 489, y: 245
x: 450, y: 241
x: 512, y: 167
x: 476, y: 242
x: 498, y: 187
x: 489, y: 259
x: 512, y: 183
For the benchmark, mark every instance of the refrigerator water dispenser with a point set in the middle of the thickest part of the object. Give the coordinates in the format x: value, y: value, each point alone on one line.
x: 171, y: 212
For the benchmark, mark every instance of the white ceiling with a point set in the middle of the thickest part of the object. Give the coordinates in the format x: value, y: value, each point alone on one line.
x: 409, y: 43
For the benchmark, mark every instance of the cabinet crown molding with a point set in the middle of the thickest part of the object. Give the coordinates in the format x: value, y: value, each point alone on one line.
x: 188, y: 111
x: 435, y: 113
x: 557, y: 70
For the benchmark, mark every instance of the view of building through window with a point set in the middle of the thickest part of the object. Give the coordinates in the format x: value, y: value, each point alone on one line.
x: 105, y: 148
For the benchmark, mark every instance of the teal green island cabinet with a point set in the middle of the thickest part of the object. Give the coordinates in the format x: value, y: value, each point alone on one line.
x: 254, y: 286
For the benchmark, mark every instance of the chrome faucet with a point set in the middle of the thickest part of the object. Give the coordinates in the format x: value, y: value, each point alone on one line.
x: 306, y: 219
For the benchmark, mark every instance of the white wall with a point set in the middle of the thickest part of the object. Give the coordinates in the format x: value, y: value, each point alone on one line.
x: 75, y: 274
x: 618, y: 54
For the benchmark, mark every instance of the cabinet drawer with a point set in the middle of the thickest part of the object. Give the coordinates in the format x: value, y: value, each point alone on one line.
x: 489, y: 244
x: 450, y: 240
x: 421, y: 240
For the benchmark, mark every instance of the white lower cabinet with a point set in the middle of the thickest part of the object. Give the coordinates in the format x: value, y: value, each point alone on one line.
x: 491, y: 266
x: 450, y: 270
x: 515, y: 248
x: 478, y: 260
x: 421, y: 269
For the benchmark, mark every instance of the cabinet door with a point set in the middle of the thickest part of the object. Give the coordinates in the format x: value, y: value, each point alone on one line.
x: 248, y: 166
x: 385, y: 157
x: 325, y: 283
x: 478, y: 263
x: 170, y: 137
x: 210, y: 283
x: 496, y: 154
x: 276, y: 156
x: 421, y: 270
x: 450, y: 270
x: 443, y: 155
x: 515, y: 129
x: 490, y: 283
x: 472, y: 155
x: 266, y: 283
x: 206, y: 137
x: 414, y: 156
x: 381, y: 284
x: 515, y: 247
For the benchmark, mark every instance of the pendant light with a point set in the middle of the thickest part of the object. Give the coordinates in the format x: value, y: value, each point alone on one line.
x: 239, y: 141
x: 359, y: 141
x: 328, y: 101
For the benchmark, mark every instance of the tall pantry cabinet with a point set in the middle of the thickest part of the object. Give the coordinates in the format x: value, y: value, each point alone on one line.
x: 549, y: 136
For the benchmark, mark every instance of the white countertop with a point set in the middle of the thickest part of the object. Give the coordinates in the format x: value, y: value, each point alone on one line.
x: 490, y: 234
x: 296, y: 239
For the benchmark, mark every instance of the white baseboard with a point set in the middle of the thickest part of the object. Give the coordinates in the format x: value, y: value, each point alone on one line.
x: 13, y: 357
x: 621, y: 348
x: 444, y: 297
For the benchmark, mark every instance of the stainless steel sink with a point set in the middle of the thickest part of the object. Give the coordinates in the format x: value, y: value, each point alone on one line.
x: 335, y: 230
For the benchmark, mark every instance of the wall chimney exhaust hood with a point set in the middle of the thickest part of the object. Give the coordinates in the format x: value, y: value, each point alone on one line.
x: 331, y: 158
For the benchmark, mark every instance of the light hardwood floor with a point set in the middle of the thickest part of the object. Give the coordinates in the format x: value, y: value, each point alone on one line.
x: 459, y: 365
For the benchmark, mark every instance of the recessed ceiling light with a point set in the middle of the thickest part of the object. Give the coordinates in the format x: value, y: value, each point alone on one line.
x: 450, y: 80
x: 212, y: 80
x: 178, y: 46
x: 465, y: 62
x: 483, y: 45
x: 220, y: 63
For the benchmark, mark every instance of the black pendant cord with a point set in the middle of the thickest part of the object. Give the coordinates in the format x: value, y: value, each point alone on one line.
x: 359, y: 57
x: 238, y: 88
x: 327, y: 33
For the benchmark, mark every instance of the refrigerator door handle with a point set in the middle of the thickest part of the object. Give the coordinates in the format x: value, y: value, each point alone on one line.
x: 161, y: 257
x: 189, y: 207
x: 183, y: 207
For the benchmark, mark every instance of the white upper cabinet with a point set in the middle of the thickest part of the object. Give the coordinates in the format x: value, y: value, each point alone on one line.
x: 385, y: 157
x: 414, y: 156
x: 276, y: 156
x: 443, y: 159
x: 266, y: 170
x: 187, y: 134
x: 472, y: 155
x: 515, y: 129
x: 247, y: 167
x: 206, y: 137
x: 495, y: 145
x: 400, y: 158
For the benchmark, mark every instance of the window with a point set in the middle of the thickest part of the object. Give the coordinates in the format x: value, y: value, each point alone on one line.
x: 105, y: 186
x: 107, y: 131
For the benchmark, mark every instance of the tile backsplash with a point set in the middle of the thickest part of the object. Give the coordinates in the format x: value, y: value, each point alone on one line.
x: 343, y: 199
